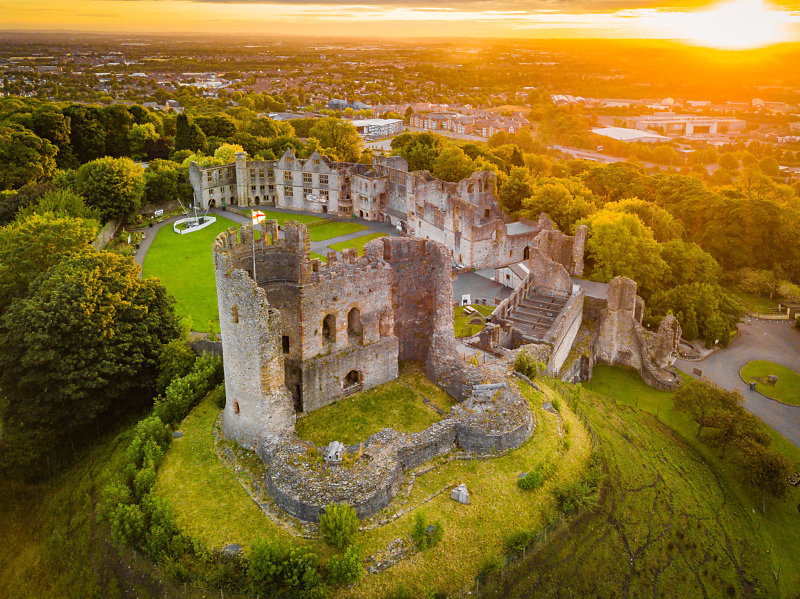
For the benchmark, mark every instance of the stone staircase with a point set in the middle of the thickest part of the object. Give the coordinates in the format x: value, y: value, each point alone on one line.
x: 536, y: 313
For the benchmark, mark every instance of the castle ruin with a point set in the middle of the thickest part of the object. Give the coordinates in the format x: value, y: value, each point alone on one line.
x: 298, y: 334
x: 464, y: 216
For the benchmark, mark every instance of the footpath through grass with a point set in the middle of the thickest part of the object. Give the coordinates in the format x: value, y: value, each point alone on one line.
x: 185, y: 265
x: 786, y: 389
x: 397, y: 404
x: 358, y: 242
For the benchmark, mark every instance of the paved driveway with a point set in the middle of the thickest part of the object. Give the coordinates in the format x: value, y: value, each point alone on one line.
x: 772, y: 340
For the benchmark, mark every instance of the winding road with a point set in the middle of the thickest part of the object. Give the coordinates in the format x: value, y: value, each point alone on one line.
x: 771, y: 340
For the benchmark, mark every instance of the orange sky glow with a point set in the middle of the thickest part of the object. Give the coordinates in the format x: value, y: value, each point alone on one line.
x: 727, y: 24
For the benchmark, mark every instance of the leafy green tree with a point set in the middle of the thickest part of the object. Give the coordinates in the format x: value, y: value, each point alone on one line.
x: 514, y: 191
x: 704, y: 402
x: 32, y: 245
x: 662, y: 223
x: 161, y: 181
x: 764, y: 469
x: 93, y: 331
x: 621, y: 244
x: 453, y: 165
x: 188, y: 136
x: 565, y: 201
x: 338, y: 136
x: 218, y: 125
x: 87, y: 133
x: 227, y: 152
x: 269, y: 128
x: 116, y: 120
x: 728, y: 161
x: 338, y: 525
x: 687, y: 263
x: 420, y: 150
x: 49, y: 123
x: 140, y: 138
x: 59, y: 202
x: 114, y: 186
x: 769, y: 166
x: 25, y: 157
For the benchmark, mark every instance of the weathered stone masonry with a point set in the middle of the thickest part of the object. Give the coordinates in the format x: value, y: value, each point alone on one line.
x: 298, y: 334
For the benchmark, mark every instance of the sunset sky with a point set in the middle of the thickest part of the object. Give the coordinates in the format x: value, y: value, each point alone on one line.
x: 729, y: 24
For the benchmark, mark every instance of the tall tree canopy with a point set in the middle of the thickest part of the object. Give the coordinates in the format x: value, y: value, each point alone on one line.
x: 114, y: 186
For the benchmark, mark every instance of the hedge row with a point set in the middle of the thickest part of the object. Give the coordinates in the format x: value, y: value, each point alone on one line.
x: 140, y: 519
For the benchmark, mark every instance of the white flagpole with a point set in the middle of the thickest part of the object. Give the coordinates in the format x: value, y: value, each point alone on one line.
x: 254, y: 247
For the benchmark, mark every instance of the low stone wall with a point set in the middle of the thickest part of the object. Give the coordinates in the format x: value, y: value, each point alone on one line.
x: 372, y: 474
x: 106, y: 234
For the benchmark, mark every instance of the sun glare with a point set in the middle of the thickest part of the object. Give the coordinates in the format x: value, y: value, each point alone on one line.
x: 734, y: 25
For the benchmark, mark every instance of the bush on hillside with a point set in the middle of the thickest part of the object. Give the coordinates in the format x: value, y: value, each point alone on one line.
x: 339, y: 525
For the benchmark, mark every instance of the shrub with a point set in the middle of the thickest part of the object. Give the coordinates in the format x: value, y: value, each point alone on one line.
x: 184, y: 393
x: 533, y: 479
x: 797, y: 322
x: 518, y: 540
x: 347, y: 569
x: 339, y: 525
x: 218, y: 396
x: 144, y: 480
x: 525, y: 364
x: 175, y: 360
x: 265, y: 565
x: 150, y: 439
x: 578, y: 494
x: 420, y: 535
x: 301, y: 568
x: 556, y: 403
x: 128, y: 524
x: 490, y: 565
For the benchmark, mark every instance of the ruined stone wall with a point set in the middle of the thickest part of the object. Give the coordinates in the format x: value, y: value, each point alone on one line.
x: 258, y: 410
x: 616, y: 342
x: 563, y: 332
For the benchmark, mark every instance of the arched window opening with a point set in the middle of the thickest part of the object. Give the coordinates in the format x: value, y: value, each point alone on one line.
x: 329, y: 328
x: 526, y: 253
x: 354, y: 328
x: 235, y: 313
x: 353, y: 380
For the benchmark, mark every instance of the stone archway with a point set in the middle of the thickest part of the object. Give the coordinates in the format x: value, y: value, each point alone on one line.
x: 353, y: 380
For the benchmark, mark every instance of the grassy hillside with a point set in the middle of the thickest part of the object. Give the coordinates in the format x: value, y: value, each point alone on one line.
x: 52, y: 544
x: 674, y: 520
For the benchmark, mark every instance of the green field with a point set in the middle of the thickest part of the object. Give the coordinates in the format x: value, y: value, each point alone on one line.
x: 53, y: 543
x: 319, y: 257
x: 191, y: 477
x: 462, y: 319
x: 334, y: 229
x: 358, y: 242
x: 282, y: 217
x: 186, y: 268
x: 398, y: 404
x: 787, y: 389
x: 674, y: 522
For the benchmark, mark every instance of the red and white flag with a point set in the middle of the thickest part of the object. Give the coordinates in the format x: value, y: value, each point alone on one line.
x: 258, y: 216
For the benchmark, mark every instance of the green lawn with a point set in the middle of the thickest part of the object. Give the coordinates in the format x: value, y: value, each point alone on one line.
x: 787, y: 389
x: 334, y: 229
x: 54, y: 544
x: 397, y: 404
x: 752, y: 302
x: 186, y: 268
x: 209, y: 502
x: 281, y: 217
x: 462, y: 319
x: 358, y: 242
x: 671, y: 524
x: 319, y: 257
x: 778, y: 529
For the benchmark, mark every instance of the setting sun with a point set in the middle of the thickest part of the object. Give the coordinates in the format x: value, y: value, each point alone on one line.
x: 735, y: 25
